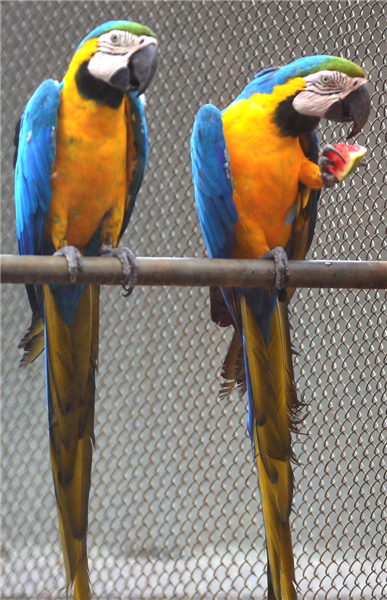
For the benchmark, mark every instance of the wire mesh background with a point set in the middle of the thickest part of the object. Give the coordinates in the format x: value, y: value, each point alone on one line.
x: 174, y: 510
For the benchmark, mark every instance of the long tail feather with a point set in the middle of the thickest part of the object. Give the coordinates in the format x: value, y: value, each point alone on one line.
x: 275, y: 411
x: 71, y: 364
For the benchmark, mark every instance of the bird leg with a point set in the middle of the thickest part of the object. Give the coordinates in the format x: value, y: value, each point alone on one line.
x: 129, y: 265
x: 280, y: 258
x: 327, y: 177
x: 74, y: 260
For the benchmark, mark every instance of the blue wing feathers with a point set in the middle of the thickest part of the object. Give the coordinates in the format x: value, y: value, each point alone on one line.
x: 138, y: 129
x: 213, y: 182
x: 35, y: 158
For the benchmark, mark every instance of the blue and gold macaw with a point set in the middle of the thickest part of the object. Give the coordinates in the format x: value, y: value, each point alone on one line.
x: 81, y: 151
x: 257, y: 175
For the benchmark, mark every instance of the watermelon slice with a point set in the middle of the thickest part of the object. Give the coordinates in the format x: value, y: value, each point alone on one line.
x: 350, y: 157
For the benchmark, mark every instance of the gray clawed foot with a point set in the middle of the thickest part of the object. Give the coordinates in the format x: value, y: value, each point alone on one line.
x: 280, y: 258
x: 328, y: 178
x: 129, y: 266
x: 74, y: 260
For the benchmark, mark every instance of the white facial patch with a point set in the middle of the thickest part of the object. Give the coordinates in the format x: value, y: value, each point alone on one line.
x: 324, y: 89
x: 114, y: 51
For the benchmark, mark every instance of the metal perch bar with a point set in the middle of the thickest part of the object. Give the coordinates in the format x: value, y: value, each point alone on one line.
x: 198, y: 272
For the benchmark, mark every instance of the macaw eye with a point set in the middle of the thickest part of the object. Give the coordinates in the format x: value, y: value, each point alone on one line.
x: 114, y: 38
x: 324, y: 79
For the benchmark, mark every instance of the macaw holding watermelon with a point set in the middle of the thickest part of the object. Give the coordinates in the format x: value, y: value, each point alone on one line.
x: 257, y: 173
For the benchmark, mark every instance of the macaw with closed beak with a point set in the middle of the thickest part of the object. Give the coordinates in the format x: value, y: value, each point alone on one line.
x: 257, y: 175
x: 81, y: 151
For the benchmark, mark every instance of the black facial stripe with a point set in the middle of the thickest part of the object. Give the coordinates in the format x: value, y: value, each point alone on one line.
x: 324, y: 92
x: 323, y: 85
x: 109, y: 53
x: 335, y: 84
x: 124, y: 39
x: 113, y: 48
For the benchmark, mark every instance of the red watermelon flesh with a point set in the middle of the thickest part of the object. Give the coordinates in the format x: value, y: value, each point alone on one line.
x: 352, y: 156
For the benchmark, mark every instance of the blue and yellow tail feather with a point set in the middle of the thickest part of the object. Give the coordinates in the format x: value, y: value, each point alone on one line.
x: 273, y: 401
x: 71, y: 363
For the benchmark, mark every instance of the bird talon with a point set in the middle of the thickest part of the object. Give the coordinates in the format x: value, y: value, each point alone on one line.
x: 127, y: 290
x: 74, y: 260
x: 324, y: 160
x: 327, y: 177
x: 328, y: 148
x: 280, y: 258
x: 129, y: 266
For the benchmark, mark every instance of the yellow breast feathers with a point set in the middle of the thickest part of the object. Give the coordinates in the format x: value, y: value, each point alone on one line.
x: 266, y: 169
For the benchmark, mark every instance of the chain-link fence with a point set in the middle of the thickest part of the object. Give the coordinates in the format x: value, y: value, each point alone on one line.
x: 175, y: 510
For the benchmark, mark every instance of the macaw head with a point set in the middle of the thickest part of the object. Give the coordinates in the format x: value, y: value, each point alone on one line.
x: 119, y: 54
x: 335, y: 89
x: 312, y: 88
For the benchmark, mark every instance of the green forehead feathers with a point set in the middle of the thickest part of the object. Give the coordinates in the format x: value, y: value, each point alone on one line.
x: 333, y: 63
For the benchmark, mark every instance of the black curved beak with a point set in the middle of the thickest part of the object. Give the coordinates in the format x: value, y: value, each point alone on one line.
x: 355, y: 107
x: 137, y: 75
x: 142, y: 67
